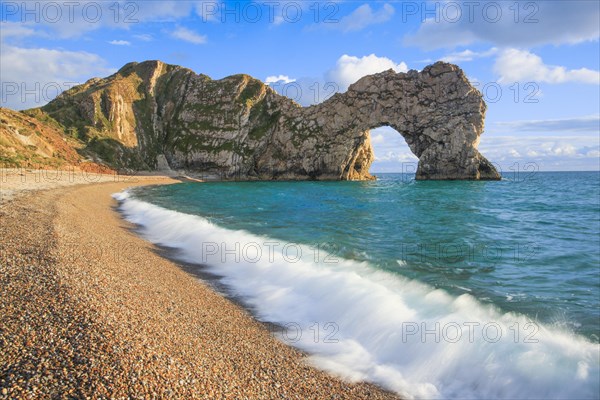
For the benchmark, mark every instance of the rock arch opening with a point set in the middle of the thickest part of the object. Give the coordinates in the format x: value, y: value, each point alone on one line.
x: 391, y: 152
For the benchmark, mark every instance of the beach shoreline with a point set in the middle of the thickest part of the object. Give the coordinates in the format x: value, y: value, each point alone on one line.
x: 89, y: 309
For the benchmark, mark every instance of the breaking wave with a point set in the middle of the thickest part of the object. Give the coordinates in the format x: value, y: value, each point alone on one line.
x: 361, y: 323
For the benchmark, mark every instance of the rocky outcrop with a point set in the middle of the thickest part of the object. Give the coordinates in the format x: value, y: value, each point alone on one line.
x: 239, y: 128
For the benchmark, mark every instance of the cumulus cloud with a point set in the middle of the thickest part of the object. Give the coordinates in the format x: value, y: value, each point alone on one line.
x: 363, y: 17
x: 32, y: 77
x: 279, y: 78
x: 349, y: 69
x: 514, y: 65
x: 460, y: 23
x: 188, y: 35
x: 559, y: 149
x: 120, y: 43
x: 468, y: 55
x: 514, y: 153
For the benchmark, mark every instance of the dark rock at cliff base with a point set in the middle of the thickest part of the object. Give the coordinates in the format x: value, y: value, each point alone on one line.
x: 239, y: 128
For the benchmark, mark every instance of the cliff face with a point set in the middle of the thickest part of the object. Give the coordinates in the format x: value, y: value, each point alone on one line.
x: 237, y: 127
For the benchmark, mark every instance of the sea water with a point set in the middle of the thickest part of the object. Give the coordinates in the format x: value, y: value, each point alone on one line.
x: 436, y: 289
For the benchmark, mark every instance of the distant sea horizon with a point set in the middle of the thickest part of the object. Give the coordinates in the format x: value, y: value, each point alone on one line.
x: 506, y: 171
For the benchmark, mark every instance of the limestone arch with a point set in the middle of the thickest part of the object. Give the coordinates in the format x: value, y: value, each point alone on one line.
x: 437, y: 111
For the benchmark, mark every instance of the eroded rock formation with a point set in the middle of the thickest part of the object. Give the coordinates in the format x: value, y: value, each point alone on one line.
x: 239, y: 128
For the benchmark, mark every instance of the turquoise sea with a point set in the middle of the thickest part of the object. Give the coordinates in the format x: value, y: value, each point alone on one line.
x: 431, y: 289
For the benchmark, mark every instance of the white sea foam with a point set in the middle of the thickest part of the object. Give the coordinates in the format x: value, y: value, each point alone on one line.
x: 361, y: 323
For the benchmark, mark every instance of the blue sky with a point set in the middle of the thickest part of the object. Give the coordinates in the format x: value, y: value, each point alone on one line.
x: 536, y: 62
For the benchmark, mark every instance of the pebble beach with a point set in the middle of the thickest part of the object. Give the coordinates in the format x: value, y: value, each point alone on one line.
x: 90, y: 310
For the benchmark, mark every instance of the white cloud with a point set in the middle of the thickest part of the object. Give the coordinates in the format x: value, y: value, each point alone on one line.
x: 279, y: 78
x: 593, y: 154
x: 32, y: 77
x: 514, y: 65
x: 188, y: 35
x: 547, y: 152
x: 577, y: 124
x: 74, y: 19
x: 563, y: 149
x: 396, y: 157
x: 15, y: 29
x: 392, y: 154
x: 349, y: 69
x: 146, y: 37
x: 514, y: 153
x: 377, y: 139
x: 120, y: 43
x: 363, y: 17
x: 468, y: 55
x: 537, y: 23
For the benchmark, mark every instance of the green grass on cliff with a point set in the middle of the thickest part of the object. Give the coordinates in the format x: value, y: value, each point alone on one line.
x: 251, y: 92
